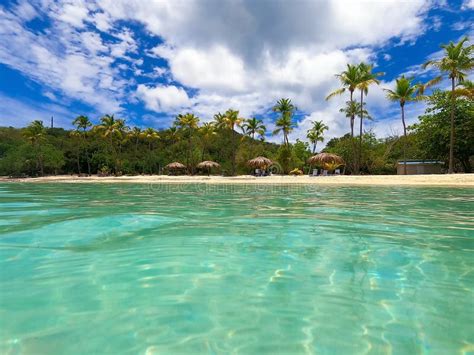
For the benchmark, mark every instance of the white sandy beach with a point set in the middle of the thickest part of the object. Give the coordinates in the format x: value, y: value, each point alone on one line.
x: 461, y: 180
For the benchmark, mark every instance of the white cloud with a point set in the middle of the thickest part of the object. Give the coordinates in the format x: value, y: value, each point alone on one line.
x: 64, y: 59
x: 25, y: 11
x: 163, y: 98
x: 467, y: 5
x: 216, y: 68
x: 73, y: 12
x: 242, y: 54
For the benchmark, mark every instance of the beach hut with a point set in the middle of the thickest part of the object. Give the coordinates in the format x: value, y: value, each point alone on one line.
x: 415, y: 167
x: 327, y: 161
x: 175, y: 167
x: 208, y: 165
x: 260, y: 163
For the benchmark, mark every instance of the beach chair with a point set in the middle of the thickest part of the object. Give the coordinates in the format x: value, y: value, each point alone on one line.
x: 315, y: 172
x: 258, y: 172
x: 337, y: 172
x: 325, y: 173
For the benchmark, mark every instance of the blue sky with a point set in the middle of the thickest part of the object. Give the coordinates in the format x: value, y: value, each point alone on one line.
x: 146, y: 61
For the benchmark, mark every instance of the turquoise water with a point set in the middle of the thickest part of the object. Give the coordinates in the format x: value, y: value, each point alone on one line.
x: 127, y: 269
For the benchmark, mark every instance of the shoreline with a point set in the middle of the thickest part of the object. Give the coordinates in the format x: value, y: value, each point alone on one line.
x: 454, y: 180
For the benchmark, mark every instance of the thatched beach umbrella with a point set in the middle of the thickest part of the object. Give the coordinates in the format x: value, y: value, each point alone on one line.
x: 208, y: 165
x: 327, y: 161
x: 260, y: 163
x: 175, y: 166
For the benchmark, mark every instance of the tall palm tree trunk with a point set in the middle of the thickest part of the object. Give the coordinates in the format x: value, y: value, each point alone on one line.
x: 352, y: 119
x: 78, y: 161
x: 202, y: 152
x: 360, y: 130
x: 188, y: 155
x: 88, y: 163
x: 314, y: 147
x: 352, y: 137
x: 152, y: 165
x: 86, y: 151
x: 113, y: 152
x: 451, y: 139
x: 233, y: 151
x: 405, y: 140
x: 40, y: 160
x: 252, y: 145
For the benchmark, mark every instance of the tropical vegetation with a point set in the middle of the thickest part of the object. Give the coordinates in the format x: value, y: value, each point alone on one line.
x: 107, y: 145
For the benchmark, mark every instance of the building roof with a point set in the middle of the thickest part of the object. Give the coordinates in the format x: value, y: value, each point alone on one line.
x: 421, y: 162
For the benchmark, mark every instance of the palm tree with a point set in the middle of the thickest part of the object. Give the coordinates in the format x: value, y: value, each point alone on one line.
x: 405, y: 92
x: 207, y: 131
x: 315, y: 134
x: 36, y: 133
x: 187, y: 123
x: 366, y: 79
x: 107, y: 127
x: 350, y: 79
x: 110, y: 128
x: 82, y: 123
x: 150, y: 135
x: 285, y: 122
x: 251, y: 127
x: 219, y: 120
x: 229, y: 120
x: 121, y: 132
x: 465, y: 89
x: 136, y: 133
x: 354, y: 108
x: 457, y: 61
x: 77, y: 134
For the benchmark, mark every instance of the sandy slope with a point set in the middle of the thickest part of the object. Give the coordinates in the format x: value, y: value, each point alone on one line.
x: 466, y: 180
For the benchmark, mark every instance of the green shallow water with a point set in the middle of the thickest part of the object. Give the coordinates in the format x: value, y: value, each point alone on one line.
x: 138, y: 269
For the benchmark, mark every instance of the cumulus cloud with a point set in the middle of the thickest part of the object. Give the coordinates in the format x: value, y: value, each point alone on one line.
x: 163, y: 98
x: 212, y: 55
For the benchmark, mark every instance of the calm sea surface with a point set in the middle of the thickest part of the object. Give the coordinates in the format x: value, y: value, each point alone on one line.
x: 139, y: 269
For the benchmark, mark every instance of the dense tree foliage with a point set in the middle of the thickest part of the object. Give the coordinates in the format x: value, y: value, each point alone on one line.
x: 456, y: 62
x: 112, y: 147
x: 445, y: 132
x: 433, y: 132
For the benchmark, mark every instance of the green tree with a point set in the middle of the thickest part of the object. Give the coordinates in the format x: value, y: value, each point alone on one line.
x: 230, y: 120
x: 113, y: 130
x: 405, y: 91
x: 82, y: 123
x: 350, y: 79
x: 457, y: 62
x: 150, y: 136
x: 366, y: 78
x: 135, y: 134
x: 465, y: 89
x: 207, y: 132
x: 36, y: 134
x: 433, y: 135
x: 285, y: 122
x: 316, y: 133
x: 253, y: 126
x: 301, y: 154
x: 188, y: 124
